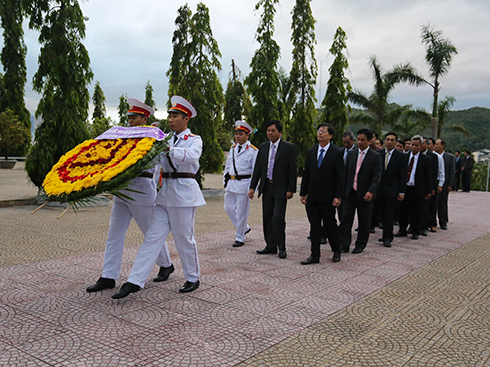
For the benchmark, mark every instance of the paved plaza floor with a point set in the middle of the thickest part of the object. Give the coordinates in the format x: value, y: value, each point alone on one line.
x: 419, y: 303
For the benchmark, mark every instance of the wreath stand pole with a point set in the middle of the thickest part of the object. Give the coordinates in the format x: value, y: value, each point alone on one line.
x: 40, y: 207
x: 64, y: 211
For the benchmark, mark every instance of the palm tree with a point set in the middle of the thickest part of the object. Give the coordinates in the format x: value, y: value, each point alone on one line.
x: 411, y: 122
x: 442, y: 111
x: 379, y: 112
x: 439, y: 54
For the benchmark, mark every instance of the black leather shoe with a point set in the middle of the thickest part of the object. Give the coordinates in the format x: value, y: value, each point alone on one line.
x: 443, y: 226
x: 282, y: 254
x: 372, y: 230
x: 266, y: 251
x: 309, y: 237
x: 164, y: 273
x: 357, y: 229
x: 424, y: 232
x: 310, y: 260
x: 248, y: 230
x: 102, y: 283
x: 189, y: 287
x: 381, y: 239
x: 126, y: 290
x: 357, y: 250
x: 387, y: 243
x: 401, y: 234
x: 323, y: 240
x: 396, y: 223
x: 415, y: 237
x: 238, y: 244
x: 336, y: 257
x: 345, y: 249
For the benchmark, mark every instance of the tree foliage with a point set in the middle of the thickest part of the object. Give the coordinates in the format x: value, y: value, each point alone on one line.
x: 98, y: 99
x: 334, y: 103
x: 237, y: 101
x: 14, y: 65
x: 13, y: 133
x: 303, y: 75
x: 150, y: 101
x: 193, y: 74
x: 263, y: 81
x: 62, y: 78
x: 122, y: 110
x: 439, y: 53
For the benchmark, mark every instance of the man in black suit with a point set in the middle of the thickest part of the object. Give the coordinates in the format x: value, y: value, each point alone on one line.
x: 450, y: 168
x: 467, y: 164
x: 457, y: 171
x: 321, y: 191
x: 363, y: 173
x: 348, y: 140
x: 392, y: 187
x: 429, y: 213
x: 419, y: 189
x: 276, y: 170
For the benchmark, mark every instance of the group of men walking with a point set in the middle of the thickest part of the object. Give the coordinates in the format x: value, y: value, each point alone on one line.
x: 383, y: 185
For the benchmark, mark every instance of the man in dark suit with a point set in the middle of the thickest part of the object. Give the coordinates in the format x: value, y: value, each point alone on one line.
x: 457, y: 171
x: 363, y: 172
x: 450, y: 168
x: 467, y: 164
x: 419, y: 189
x: 321, y: 191
x: 392, y: 186
x: 276, y: 170
x: 429, y: 213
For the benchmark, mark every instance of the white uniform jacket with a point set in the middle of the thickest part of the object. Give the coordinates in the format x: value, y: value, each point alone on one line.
x: 244, y: 163
x: 184, y: 154
x: 146, y: 185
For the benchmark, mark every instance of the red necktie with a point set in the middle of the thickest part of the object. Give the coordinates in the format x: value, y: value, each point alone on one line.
x: 410, y: 167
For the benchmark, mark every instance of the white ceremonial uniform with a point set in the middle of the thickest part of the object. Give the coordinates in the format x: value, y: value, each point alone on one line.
x: 175, y: 211
x: 141, y: 209
x: 237, y: 202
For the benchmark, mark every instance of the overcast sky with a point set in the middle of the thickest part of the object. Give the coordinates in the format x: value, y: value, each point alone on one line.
x: 131, y: 42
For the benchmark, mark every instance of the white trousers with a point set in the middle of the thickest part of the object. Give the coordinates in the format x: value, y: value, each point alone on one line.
x: 181, y: 222
x: 237, y: 207
x: 121, y: 216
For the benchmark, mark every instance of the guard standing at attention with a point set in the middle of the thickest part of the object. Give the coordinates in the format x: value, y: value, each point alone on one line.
x: 140, y: 208
x: 175, y: 208
x: 238, y: 172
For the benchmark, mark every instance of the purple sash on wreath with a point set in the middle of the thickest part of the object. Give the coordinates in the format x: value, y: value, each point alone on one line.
x: 119, y: 132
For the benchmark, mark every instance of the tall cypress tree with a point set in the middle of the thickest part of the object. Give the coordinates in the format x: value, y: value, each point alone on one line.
x: 334, y: 103
x: 193, y: 74
x: 303, y: 79
x: 14, y: 64
x: 122, y: 110
x: 99, y: 102
x: 263, y: 81
x: 237, y: 101
x: 150, y: 101
x: 62, y: 79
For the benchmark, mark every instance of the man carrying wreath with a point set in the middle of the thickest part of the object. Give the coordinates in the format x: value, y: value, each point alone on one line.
x: 175, y: 208
x: 140, y: 208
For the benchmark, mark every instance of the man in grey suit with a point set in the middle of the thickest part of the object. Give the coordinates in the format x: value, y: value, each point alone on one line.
x: 275, y: 169
x: 450, y: 168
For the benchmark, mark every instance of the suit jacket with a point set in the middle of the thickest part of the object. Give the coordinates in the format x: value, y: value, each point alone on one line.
x: 467, y: 163
x: 434, y: 167
x: 285, y: 168
x: 449, y: 170
x: 458, y: 164
x: 369, y: 173
x: 326, y: 182
x: 423, y: 176
x: 394, y: 177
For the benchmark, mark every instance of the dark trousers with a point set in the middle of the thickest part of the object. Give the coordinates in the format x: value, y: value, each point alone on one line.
x: 466, y: 180
x: 411, y: 210
x: 364, y: 212
x: 457, y: 180
x: 424, y: 222
x: 433, y: 203
x: 442, y: 211
x: 274, y: 218
x: 388, y: 207
x: 322, y: 212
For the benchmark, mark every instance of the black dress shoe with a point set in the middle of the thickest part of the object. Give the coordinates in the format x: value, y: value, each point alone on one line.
x: 424, y: 232
x: 401, y: 234
x: 323, y: 240
x: 387, y: 243
x: 396, y: 223
x: 415, y: 237
x: 372, y: 230
x: 443, y: 226
x: 345, y: 249
x: 336, y: 257
x: 309, y: 237
x: 164, y: 273
x: 126, y: 290
x: 266, y: 251
x: 381, y: 239
x: 248, y: 230
x: 238, y: 244
x: 189, y: 287
x: 357, y: 250
x: 282, y: 254
x: 357, y: 229
x: 311, y: 260
x: 380, y: 225
x: 102, y: 283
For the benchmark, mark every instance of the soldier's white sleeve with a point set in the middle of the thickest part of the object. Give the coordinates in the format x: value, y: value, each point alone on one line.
x: 187, y: 155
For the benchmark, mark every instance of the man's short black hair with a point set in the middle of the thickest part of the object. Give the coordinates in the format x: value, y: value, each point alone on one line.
x: 392, y: 133
x: 443, y: 142
x: 330, y: 129
x: 402, y: 142
x: 368, y: 132
x: 349, y: 134
x: 278, y: 124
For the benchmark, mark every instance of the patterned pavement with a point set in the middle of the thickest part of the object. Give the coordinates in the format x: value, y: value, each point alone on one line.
x: 420, y: 303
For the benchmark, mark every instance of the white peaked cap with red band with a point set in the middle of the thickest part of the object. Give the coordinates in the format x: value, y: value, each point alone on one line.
x: 180, y: 104
x: 139, y: 108
x: 242, y: 125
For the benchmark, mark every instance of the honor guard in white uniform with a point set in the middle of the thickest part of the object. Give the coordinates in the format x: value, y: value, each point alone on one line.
x: 238, y: 172
x: 175, y: 208
x: 140, y: 208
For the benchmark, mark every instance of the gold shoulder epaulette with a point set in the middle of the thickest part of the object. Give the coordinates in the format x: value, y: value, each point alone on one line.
x: 254, y: 147
x: 233, y: 146
x: 193, y: 135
